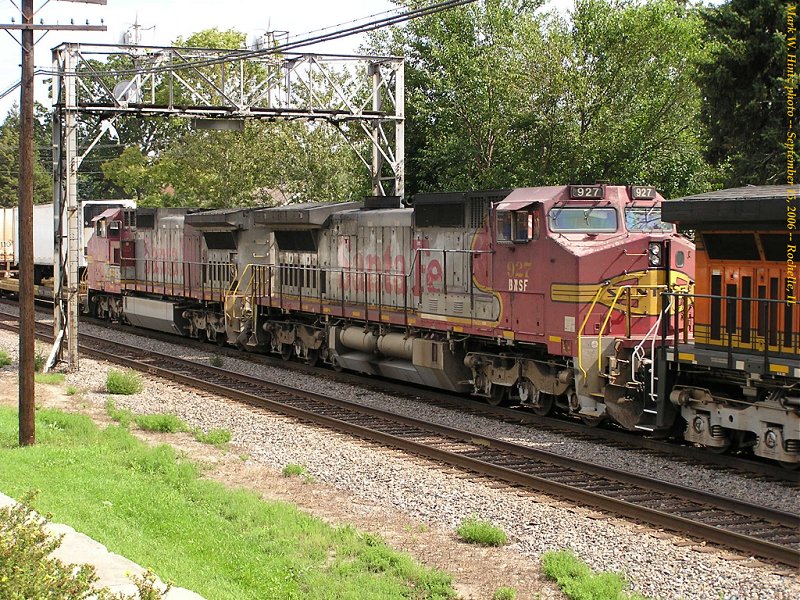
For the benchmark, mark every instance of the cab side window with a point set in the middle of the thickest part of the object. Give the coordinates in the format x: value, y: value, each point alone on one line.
x: 518, y: 226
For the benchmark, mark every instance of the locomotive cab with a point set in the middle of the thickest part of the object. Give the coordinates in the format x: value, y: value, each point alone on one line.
x: 579, y: 272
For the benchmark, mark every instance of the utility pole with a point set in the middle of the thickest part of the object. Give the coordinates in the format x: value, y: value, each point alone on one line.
x: 27, y: 397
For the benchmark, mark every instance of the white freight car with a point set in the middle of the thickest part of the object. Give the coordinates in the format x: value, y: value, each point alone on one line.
x: 43, y: 229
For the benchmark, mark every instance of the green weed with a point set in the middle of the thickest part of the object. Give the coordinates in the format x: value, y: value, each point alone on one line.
x: 51, y: 378
x: 505, y: 593
x: 71, y: 390
x: 161, y: 423
x: 217, y: 437
x: 474, y: 531
x: 579, y: 582
x: 27, y: 571
x: 123, y: 416
x: 293, y: 470
x: 123, y: 382
x: 38, y: 362
x: 5, y: 360
x: 215, y: 360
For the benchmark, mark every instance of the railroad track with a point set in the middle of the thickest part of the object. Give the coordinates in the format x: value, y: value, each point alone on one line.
x: 755, y: 530
x: 611, y: 436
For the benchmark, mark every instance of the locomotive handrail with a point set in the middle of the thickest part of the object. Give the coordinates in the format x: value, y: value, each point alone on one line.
x: 600, y: 291
x: 618, y: 293
x: 620, y: 289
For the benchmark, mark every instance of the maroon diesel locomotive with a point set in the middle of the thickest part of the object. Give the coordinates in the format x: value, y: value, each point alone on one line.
x: 549, y: 296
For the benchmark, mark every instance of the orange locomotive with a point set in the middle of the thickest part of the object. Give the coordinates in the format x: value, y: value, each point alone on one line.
x: 738, y: 384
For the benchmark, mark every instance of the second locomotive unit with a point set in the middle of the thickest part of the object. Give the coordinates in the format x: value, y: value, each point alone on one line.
x: 547, y: 296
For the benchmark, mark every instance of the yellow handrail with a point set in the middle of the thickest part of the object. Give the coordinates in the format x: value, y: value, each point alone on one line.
x: 618, y: 293
x: 620, y: 289
x: 599, y: 293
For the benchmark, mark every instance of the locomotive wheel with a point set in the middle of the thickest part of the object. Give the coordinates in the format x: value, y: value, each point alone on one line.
x: 286, y: 351
x: 544, y: 405
x: 313, y: 358
x: 789, y: 466
x: 592, y: 421
x: 498, y: 395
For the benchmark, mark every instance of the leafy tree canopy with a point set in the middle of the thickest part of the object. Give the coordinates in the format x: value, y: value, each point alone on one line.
x: 9, y: 158
x: 500, y: 94
x: 268, y: 162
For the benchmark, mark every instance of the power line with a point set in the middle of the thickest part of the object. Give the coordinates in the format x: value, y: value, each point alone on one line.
x: 237, y: 55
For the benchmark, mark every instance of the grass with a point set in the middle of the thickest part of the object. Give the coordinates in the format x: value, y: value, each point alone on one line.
x: 161, y: 423
x: 150, y: 506
x: 51, y: 378
x: 578, y: 582
x: 5, y: 360
x: 293, y: 470
x: 216, y: 360
x: 72, y: 390
x: 123, y: 416
x: 474, y: 531
x: 505, y: 593
x: 217, y: 437
x: 123, y: 382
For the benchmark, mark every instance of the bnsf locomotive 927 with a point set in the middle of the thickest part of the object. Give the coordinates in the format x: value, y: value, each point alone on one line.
x: 548, y: 297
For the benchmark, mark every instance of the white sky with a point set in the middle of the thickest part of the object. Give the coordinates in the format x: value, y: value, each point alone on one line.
x: 172, y: 18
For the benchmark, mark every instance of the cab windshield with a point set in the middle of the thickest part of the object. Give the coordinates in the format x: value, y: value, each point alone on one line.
x: 645, y: 219
x: 583, y: 220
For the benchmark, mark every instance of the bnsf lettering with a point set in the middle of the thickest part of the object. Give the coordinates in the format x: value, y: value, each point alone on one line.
x: 517, y: 285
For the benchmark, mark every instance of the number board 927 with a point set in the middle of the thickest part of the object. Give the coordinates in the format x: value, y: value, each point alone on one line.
x: 587, y: 192
x: 642, y: 192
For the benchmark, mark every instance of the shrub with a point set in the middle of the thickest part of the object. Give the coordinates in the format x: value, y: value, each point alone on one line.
x: 146, y: 586
x: 161, y: 423
x: 26, y: 569
x: 51, y: 378
x: 474, y: 531
x: 38, y: 362
x: 71, y: 390
x: 505, y: 593
x: 5, y: 360
x: 216, y: 360
x: 217, y: 437
x: 123, y: 382
x: 121, y: 415
x: 578, y: 582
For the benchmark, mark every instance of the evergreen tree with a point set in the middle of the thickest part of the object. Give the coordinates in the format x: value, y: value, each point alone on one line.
x: 743, y: 92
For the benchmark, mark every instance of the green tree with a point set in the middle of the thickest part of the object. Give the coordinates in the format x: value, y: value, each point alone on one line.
x: 743, y: 89
x: 499, y: 94
x: 9, y: 158
x: 628, y: 103
x: 461, y: 98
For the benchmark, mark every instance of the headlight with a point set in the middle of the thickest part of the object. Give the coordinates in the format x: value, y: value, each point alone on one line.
x: 654, y: 254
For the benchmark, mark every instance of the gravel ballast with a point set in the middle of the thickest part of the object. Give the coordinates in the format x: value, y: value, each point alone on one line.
x: 658, y: 565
